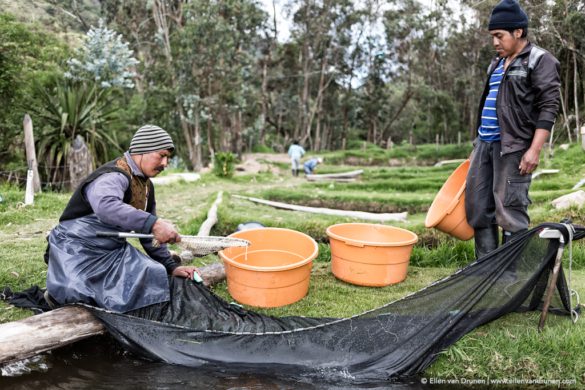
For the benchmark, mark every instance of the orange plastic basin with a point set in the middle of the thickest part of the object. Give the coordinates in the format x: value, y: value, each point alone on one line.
x: 369, y: 254
x: 447, y: 212
x: 274, y: 270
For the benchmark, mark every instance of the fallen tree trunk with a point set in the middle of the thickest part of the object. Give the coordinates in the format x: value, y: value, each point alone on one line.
x: 382, y: 217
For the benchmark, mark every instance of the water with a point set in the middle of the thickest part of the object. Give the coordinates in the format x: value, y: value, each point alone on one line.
x: 98, y: 363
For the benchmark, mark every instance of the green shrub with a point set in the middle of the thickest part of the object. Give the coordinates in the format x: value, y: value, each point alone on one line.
x: 262, y: 149
x: 224, y: 164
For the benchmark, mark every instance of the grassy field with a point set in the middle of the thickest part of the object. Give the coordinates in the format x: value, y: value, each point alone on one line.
x: 507, y: 348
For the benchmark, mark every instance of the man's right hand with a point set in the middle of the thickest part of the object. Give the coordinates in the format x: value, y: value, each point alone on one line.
x: 165, y: 232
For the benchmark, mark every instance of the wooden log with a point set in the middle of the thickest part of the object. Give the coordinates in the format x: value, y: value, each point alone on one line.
x: 445, y: 162
x: 337, y: 179
x: 31, y: 154
x: 579, y: 184
x: 541, y: 172
x: 336, y: 176
x: 43, y: 332
x: 382, y: 217
x: 56, y: 328
x: 211, y: 220
x: 205, y: 229
x: 215, y: 272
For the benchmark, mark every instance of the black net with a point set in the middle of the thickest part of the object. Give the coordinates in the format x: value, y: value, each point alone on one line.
x: 401, y: 338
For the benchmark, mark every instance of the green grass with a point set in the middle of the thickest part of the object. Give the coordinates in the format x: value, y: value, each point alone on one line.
x: 512, y: 347
x: 509, y: 347
x: 330, y: 297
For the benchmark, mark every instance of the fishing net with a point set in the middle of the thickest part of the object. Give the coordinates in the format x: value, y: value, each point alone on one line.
x: 197, y: 245
x: 197, y: 328
x: 204, y: 245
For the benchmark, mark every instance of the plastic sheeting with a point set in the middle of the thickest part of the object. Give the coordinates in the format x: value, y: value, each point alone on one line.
x: 103, y: 271
x: 400, y: 338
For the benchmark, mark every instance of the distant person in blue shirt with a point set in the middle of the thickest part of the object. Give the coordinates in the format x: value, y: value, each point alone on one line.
x: 295, y: 152
x: 311, y: 164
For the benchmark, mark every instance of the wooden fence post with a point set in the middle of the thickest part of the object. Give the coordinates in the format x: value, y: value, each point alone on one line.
x: 31, y: 155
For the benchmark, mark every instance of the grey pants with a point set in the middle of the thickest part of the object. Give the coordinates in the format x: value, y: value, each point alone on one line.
x: 496, y: 193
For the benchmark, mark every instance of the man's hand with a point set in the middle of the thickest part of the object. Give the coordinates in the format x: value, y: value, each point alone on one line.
x: 185, y: 271
x: 164, y: 232
x: 529, y: 161
x: 531, y: 158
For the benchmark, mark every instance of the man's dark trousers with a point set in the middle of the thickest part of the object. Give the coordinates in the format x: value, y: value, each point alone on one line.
x: 496, y: 195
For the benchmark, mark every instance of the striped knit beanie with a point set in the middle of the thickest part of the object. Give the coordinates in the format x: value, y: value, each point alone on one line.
x: 150, y: 138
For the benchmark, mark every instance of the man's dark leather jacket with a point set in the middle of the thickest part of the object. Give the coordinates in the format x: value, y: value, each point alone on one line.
x: 528, y: 98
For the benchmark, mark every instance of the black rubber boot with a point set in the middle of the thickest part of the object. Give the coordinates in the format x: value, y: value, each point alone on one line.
x: 511, y: 275
x: 294, y: 172
x: 486, y: 240
x: 50, y: 301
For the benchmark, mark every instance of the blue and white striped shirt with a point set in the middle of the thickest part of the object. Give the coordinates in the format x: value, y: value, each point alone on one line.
x: 489, y: 129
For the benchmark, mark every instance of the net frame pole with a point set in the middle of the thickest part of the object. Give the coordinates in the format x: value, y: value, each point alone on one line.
x: 552, y: 282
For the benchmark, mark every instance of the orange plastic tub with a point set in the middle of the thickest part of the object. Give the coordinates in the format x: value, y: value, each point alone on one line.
x: 369, y: 254
x: 274, y: 270
x: 447, y: 212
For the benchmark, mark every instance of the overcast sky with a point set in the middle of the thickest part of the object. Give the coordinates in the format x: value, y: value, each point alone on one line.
x: 283, y: 22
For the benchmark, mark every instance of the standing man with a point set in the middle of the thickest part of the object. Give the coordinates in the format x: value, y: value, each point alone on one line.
x: 118, y: 196
x: 516, y: 113
x: 295, y: 152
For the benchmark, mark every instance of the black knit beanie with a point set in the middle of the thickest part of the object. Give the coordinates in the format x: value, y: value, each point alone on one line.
x: 508, y: 15
x: 150, y: 138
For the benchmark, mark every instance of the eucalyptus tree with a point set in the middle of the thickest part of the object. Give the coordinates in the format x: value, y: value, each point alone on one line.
x: 562, y: 31
x: 365, y: 41
x: 216, y: 55
x: 197, y: 70
x: 406, y: 29
x: 322, y: 32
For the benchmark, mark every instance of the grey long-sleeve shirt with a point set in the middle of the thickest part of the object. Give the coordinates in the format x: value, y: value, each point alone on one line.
x: 105, y: 195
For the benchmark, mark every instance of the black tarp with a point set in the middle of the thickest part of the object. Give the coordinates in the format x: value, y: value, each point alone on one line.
x: 400, y: 338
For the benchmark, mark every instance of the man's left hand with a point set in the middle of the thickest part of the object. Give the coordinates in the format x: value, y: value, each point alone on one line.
x: 529, y: 161
x: 185, y: 271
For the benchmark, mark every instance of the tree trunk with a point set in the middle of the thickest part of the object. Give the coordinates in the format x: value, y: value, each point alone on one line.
x: 576, y: 95
x: 79, y: 161
x: 264, y: 112
x: 197, y: 159
x: 566, y: 119
x: 210, y: 141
